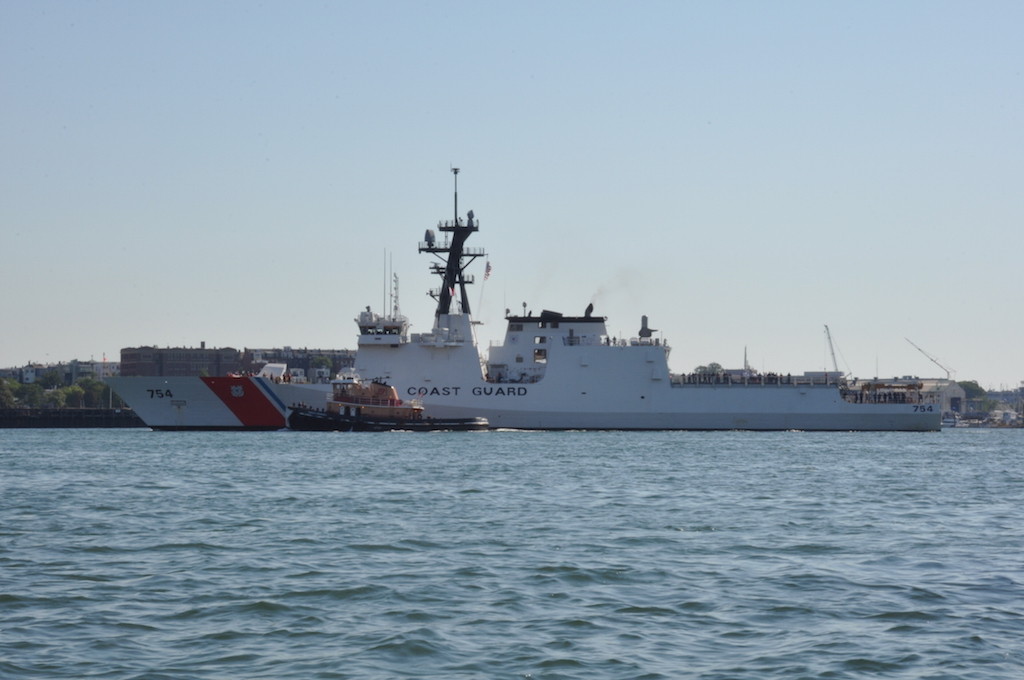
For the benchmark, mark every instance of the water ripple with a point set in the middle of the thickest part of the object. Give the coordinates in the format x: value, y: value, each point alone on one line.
x: 137, y: 555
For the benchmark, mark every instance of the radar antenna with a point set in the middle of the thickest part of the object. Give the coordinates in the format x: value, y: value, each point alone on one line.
x: 395, y: 313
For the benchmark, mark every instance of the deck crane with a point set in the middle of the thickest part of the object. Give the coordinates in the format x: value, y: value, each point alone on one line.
x: 932, y: 359
x: 832, y: 351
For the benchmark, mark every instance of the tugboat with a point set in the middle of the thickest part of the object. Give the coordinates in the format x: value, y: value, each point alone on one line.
x: 357, y: 406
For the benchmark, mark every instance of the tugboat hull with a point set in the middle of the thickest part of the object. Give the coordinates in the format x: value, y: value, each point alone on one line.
x: 323, y: 421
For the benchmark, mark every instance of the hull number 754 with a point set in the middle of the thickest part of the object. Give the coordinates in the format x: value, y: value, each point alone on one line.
x: 159, y: 394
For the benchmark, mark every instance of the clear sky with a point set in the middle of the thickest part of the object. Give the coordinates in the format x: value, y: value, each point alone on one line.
x: 743, y: 173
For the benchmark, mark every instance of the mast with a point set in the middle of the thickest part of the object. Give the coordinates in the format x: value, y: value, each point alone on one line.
x: 455, y: 256
x: 455, y: 172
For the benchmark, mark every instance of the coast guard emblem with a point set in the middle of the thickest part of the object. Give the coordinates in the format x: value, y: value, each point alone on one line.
x: 237, y: 391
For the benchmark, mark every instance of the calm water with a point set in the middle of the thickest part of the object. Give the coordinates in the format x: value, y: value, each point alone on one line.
x: 136, y: 554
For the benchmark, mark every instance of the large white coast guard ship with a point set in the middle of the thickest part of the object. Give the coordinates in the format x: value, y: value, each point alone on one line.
x: 552, y: 371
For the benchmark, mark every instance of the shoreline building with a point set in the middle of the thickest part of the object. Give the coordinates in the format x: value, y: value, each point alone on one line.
x: 179, y: 361
x: 314, y: 365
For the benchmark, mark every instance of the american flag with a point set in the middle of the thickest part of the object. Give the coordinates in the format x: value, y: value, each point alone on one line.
x: 487, y: 271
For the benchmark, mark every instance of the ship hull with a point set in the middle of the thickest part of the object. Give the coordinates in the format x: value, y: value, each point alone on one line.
x: 193, y: 406
x: 817, y: 408
x: 321, y: 421
x: 221, y: 403
x: 565, y: 403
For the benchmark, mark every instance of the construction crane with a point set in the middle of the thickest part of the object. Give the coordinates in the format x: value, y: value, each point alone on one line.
x: 932, y: 359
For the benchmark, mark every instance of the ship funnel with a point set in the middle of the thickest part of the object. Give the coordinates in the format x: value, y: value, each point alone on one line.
x: 645, y: 332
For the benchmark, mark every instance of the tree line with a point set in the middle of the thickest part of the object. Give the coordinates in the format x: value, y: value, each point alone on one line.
x: 50, y: 392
